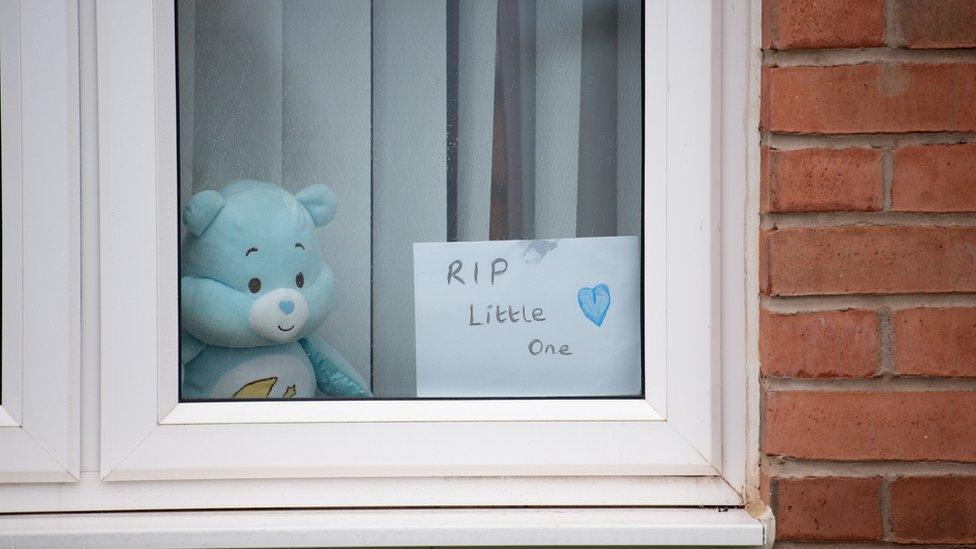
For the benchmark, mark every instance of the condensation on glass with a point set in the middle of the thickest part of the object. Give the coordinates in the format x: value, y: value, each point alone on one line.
x: 432, y: 121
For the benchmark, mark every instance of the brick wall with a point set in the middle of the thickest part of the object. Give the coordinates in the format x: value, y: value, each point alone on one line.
x: 868, y: 270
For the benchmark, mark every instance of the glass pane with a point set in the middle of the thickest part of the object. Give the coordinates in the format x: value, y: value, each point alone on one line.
x: 410, y: 198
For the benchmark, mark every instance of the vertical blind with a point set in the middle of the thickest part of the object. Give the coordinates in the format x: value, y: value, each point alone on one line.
x: 433, y: 120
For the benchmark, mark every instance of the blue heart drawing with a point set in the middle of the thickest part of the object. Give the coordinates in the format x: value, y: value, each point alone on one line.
x: 595, y: 302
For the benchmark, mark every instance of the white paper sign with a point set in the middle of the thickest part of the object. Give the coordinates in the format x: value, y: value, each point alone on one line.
x: 524, y: 318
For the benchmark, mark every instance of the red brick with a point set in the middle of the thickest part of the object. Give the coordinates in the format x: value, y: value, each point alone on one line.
x: 870, y: 98
x: 868, y: 260
x: 766, y: 23
x: 824, y: 23
x: 901, y: 425
x: 934, y: 178
x: 936, y: 342
x: 828, y: 509
x: 822, y: 344
x: 934, y: 509
x: 936, y: 23
x: 822, y: 180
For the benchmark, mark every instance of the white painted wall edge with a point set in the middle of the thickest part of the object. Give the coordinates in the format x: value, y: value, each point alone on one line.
x: 385, y: 528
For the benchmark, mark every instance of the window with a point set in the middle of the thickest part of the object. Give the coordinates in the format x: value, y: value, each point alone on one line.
x: 41, y: 257
x: 514, y: 121
x: 671, y: 431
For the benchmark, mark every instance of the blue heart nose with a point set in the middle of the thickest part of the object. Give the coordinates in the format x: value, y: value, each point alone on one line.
x: 286, y: 306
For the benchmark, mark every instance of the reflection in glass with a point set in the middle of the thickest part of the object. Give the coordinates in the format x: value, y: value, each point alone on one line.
x: 429, y: 121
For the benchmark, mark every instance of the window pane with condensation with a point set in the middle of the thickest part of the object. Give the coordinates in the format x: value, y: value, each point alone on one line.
x: 410, y: 198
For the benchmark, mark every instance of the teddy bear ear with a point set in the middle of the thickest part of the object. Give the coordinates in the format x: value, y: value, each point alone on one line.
x: 201, y: 210
x: 320, y: 201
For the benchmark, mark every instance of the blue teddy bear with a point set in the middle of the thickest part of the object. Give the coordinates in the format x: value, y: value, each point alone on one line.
x: 253, y: 290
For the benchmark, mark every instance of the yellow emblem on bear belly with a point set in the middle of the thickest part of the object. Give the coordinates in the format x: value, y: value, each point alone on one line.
x: 261, y: 388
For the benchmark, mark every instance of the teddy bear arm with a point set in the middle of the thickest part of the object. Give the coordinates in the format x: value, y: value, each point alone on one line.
x: 334, y: 376
x: 190, y: 347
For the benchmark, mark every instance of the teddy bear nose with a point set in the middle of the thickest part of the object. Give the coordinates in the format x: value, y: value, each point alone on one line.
x: 287, y: 306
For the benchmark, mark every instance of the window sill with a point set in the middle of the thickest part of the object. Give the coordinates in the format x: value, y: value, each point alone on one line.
x: 403, y: 527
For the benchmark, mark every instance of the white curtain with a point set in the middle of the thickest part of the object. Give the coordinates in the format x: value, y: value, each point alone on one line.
x: 409, y: 173
x: 279, y: 91
x: 354, y: 94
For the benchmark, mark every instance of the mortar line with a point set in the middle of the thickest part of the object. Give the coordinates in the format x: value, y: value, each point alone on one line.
x: 887, y: 175
x: 799, y: 468
x: 864, y: 56
x: 887, y: 532
x: 885, y: 383
x: 790, y: 141
x: 892, y: 30
x: 894, y: 302
x: 886, y: 343
x: 764, y: 137
x: 866, y: 219
x: 835, y: 545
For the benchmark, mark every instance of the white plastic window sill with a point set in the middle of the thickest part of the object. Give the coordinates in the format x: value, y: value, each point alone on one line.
x: 379, y: 528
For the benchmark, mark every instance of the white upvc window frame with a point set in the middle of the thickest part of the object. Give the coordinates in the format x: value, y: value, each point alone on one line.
x: 683, y: 444
x: 39, y: 415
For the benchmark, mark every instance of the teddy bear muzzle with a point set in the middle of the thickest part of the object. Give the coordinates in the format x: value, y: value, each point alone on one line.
x: 279, y: 315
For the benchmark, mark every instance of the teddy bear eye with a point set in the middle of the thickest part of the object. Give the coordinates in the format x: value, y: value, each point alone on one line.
x: 299, y: 280
x: 254, y: 285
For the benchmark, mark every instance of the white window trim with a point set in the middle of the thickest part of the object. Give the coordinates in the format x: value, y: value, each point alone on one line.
x: 490, y: 524
x: 39, y: 419
x: 148, y: 435
x: 397, y: 527
x: 695, y: 526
